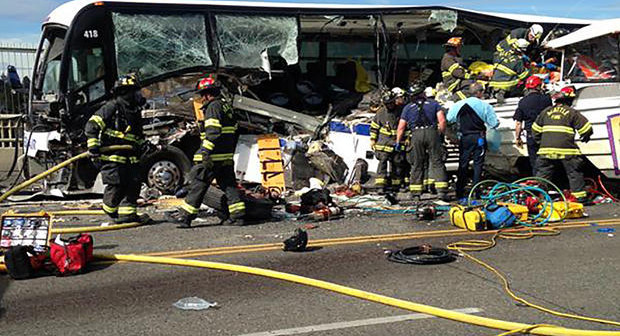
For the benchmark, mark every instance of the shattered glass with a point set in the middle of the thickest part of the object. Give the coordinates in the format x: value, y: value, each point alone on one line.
x: 244, y: 38
x: 446, y: 18
x: 156, y: 44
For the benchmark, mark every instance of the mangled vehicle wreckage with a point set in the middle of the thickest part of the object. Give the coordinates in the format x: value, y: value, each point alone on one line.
x: 288, y: 68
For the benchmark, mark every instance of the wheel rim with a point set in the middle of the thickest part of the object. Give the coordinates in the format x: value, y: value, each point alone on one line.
x: 164, y: 175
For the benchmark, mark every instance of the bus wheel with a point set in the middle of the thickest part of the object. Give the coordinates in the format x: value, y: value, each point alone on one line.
x: 166, y: 169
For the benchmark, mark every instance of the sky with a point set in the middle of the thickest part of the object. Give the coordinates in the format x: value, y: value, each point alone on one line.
x: 20, y: 21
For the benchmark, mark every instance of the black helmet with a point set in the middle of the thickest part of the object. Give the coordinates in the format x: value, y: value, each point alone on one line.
x: 416, y: 88
x: 388, y: 97
x: 128, y: 81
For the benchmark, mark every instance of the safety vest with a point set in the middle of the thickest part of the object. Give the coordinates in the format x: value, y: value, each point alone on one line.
x: 508, y: 73
x: 116, y: 123
x: 383, y: 130
x: 555, y: 129
x: 453, y: 73
x: 219, y: 135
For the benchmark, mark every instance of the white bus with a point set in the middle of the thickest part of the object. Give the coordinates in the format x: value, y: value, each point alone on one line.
x: 284, y: 61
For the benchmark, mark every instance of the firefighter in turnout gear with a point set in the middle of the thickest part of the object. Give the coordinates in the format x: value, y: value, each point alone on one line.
x: 383, y: 139
x: 554, y: 130
x: 119, y: 122
x: 455, y: 75
x: 425, y: 120
x: 510, y: 44
x: 509, y: 71
x: 219, y: 140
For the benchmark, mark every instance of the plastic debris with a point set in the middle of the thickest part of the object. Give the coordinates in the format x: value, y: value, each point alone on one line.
x: 194, y: 303
x: 606, y: 230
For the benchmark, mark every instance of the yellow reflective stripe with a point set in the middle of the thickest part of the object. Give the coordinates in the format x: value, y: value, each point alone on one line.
x: 461, y: 95
x: 197, y: 157
x: 557, y: 129
x: 453, y: 86
x: 114, y: 158
x: 580, y: 194
x: 536, y: 128
x: 229, y: 129
x: 585, y: 128
x: 523, y: 74
x: 133, y: 159
x: 189, y: 209
x: 441, y: 185
x: 416, y: 187
x: 505, y: 69
x: 387, y: 132
x: 93, y: 142
x: 127, y: 210
x: 237, y: 207
x: 373, y: 136
x: 504, y: 84
x: 380, y: 180
x: 446, y: 74
x: 120, y: 135
x: 97, y: 120
x: 428, y: 181
x: 374, y: 125
x: 560, y: 151
x: 109, y: 209
x: 203, y: 135
x: 453, y: 67
x: 208, y: 144
x: 395, y: 182
x: 384, y: 148
x: 212, y: 122
x: 222, y: 157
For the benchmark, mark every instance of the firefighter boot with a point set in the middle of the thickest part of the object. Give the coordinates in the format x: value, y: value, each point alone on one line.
x: 133, y: 218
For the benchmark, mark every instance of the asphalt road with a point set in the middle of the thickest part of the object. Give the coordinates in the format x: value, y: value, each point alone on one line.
x: 575, y: 272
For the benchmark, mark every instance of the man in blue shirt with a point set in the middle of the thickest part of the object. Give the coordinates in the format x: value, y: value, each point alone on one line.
x: 473, y: 116
x: 425, y: 119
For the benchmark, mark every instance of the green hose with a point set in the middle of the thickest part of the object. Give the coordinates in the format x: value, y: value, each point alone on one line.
x: 58, y: 167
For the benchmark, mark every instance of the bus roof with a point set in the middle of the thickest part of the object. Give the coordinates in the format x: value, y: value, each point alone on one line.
x: 600, y: 28
x: 65, y: 13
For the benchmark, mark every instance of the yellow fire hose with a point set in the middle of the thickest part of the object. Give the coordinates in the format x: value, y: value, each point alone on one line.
x: 56, y: 168
x: 408, y: 305
x: 95, y: 228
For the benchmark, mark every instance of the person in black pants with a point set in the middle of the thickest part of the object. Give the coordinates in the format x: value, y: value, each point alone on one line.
x: 215, y: 155
x: 473, y: 116
x: 528, y: 110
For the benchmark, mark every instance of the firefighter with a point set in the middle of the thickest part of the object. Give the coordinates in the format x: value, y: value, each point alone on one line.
x: 455, y: 75
x: 119, y: 122
x: 426, y: 121
x: 215, y: 156
x: 554, y: 130
x: 473, y: 116
x: 509, y: 71
x: 530, y: 106
x: 510, y: 44
x: 383, y: 139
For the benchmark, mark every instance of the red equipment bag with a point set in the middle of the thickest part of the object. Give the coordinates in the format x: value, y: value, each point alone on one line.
x: 72, y: 255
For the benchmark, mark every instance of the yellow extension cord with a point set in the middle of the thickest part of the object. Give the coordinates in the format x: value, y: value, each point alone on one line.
x: 517, y: 234
x: 511, y: 327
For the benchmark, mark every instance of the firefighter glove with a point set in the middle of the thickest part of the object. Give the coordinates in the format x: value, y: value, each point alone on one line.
x: 207, y: 161
x: 585, y: 138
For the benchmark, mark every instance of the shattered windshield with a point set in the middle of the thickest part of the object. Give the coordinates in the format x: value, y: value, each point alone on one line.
x: 156, y: 44
x: 244, y: 39
x: 594, y: 60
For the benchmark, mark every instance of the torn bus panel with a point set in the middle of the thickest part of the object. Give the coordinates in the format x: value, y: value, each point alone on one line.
x: 447, y: 19
x: 243, y: 38
x: 157, y: 44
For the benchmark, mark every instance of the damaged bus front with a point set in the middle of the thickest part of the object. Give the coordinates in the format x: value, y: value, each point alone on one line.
x: 285, y: 66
